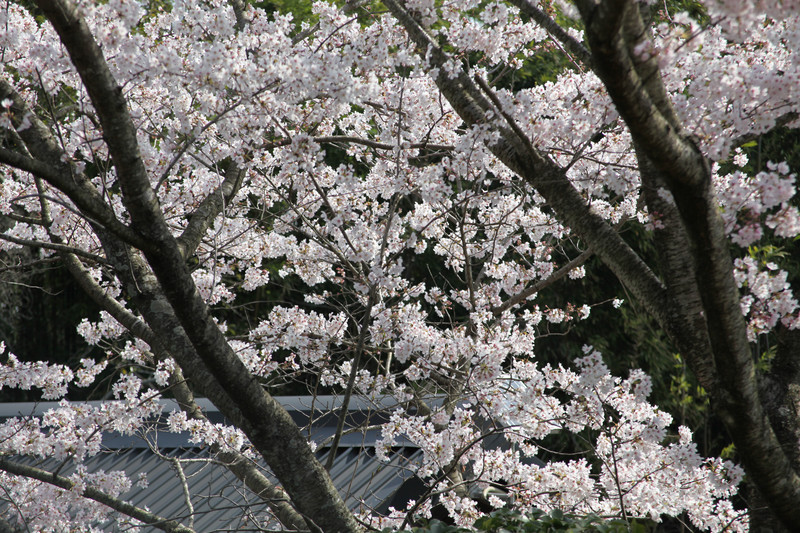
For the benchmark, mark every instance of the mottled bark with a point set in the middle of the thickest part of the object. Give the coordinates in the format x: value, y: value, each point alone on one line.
x: 780, y: 393
x: 172, y: 307
x: 613, y: 30
x: 685, y: 321
x: 203, y: 216
x: 698, y: 302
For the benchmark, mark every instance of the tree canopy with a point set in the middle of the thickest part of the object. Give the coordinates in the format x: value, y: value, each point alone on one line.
x: 384, y: 200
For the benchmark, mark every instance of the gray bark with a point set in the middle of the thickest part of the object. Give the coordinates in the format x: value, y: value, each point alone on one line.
x: 159, y: 283
x: 613, y: 30
x: 697, y: 302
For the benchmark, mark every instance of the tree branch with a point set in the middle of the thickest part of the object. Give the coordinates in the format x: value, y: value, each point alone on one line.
x: 268, y: 426
x: 614, y: 31
x: 55, y: 247
x: 239, y: 465
x: 636, y: 88
x: 213, y: 204
x: 379, y: 145
x: 780, y: 122
x: 6, y: 527
x: 543, y: 284
x: 48, y: 163
x: 780, y: 392
x: 541, y: 173
x: 352, y: 139
x: 686, y: 324
x: 553, y: 28
x: 150, y: 519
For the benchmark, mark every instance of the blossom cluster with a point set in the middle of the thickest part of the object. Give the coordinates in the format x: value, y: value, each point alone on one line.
x: 71, y: 433
x: 412, y: 259
x: 44, y: 507
x: 628, y: 437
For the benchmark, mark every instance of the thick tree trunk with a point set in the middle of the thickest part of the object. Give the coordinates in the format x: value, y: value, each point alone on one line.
x: 163, y: 290
x: 614, y: 30
x: 699, y: 306
x: 697, y: 302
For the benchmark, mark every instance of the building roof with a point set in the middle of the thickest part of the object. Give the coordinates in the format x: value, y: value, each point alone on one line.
x: 219, y: 501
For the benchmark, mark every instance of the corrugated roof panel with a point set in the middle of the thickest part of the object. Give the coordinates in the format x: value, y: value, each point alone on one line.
x: 220, y: 501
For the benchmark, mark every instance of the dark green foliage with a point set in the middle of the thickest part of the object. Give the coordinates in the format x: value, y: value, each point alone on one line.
x: 301, y: 11
x: 694, y: 8
x: 545, y: 65
x: 40, y: 308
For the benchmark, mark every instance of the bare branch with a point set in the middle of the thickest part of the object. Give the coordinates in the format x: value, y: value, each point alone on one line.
x: 203, y: 216
x: 543, y: 284
x: 55, y: 247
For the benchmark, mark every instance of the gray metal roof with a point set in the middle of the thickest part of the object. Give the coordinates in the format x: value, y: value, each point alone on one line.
x: 219, y: 501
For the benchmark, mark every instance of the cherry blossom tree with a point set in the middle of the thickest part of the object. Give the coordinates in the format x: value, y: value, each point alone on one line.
x: 177, y: 156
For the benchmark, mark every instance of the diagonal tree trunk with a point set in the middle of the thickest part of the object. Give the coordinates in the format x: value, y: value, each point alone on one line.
x: 698, y: 302
x: 614, y: 29
x: 161, y: 286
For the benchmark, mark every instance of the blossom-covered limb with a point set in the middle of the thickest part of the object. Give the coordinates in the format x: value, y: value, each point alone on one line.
x: 269, y: 426
x: 572, y: 45
x: 53, y: 165
x: 119, y: 505
x: 686, y: 174
x: 546, y: 177
x: 56, y: 247
x: 541, y: 285
x: 241, y: 466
